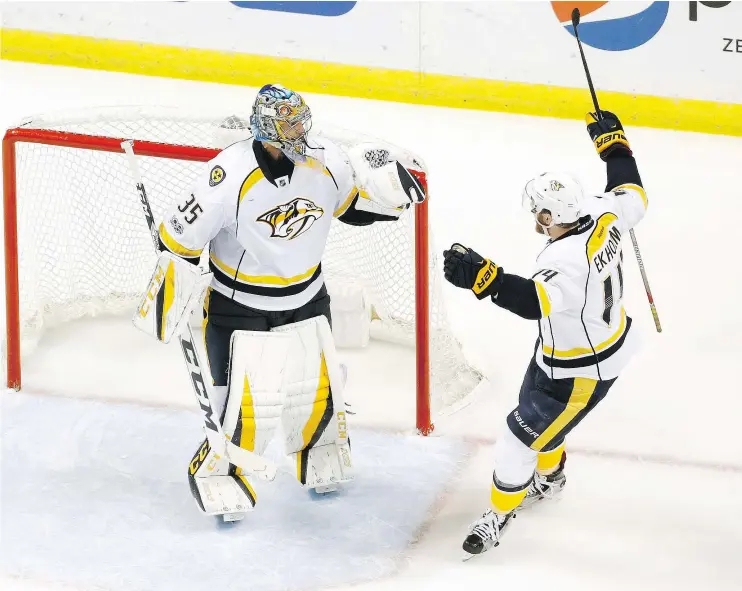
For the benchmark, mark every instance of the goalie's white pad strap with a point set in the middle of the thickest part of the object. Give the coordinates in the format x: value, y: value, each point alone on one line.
x: 388, y: 175
x: 173, y: 292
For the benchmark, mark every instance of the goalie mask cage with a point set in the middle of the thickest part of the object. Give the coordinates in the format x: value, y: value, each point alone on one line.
x: 77, y: 244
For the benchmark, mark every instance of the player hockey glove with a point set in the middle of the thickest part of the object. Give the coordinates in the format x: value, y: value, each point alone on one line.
x: 469, y: 270
x: 607, y: 134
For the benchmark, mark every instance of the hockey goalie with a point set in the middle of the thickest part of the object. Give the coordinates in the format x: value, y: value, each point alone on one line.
x: 263, y: 207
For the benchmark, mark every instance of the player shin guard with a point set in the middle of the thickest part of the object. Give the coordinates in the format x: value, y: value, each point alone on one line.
x: 515, y: 463
x: 314, y: 419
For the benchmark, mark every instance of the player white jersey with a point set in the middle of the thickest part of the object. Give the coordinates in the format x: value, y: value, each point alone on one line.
x: 585, y: 331
x: 266, y: 235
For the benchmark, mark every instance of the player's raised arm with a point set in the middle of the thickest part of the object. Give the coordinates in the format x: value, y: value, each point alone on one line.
x: 624, y: 182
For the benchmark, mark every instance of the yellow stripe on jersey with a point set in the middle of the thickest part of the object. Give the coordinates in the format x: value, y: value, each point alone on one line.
x: 543, y: 300
x: 636, y: 188
x: 346, y: 204
x: 264, y: 279
x: 600, y: 234
x: 174, y: 246
x: 582, y: 391
x: 578, y: 351
x: 250, y: 181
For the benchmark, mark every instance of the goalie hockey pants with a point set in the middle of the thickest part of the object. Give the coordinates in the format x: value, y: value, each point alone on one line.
x: 549, y: 409
x: 222, y: 316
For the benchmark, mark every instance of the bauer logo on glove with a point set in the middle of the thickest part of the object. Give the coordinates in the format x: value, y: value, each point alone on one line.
x: 607, y: 133
x: 467, y: 269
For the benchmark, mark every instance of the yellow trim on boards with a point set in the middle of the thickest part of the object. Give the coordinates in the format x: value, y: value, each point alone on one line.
x: 207, y: 65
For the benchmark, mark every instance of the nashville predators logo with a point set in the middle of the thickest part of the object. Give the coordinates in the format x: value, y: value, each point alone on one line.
x: 291, y: 219
x: 217, y: 176
x: 556, y: 185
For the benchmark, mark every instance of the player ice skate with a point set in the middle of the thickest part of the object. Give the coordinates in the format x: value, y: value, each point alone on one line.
x: 585, y: 337
x: 264, y: 208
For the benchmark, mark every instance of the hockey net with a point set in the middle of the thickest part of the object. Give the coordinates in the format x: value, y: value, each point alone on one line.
x: 76, y: 239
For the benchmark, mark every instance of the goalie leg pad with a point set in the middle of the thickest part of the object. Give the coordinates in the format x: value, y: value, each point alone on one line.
x: 219, y: 489
x: 255, y: 397
x: 314, y: 419
x: 174, y: 290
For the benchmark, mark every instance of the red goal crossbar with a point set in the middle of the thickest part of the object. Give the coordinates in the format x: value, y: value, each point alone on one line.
x: 187, y: 153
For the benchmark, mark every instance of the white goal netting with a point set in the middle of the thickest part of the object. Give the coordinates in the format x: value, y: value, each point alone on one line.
x: 84, y: 248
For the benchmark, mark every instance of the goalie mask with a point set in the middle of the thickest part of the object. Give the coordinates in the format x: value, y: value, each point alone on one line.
x: 281, y: 118
x: 556, y: 194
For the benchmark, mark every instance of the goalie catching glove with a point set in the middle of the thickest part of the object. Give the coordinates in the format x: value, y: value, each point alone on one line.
x: 387, y: 175
x: 467, y: 269
x: 173, y: 292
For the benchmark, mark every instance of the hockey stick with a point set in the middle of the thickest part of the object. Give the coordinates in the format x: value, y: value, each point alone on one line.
x: 247, y: 461
x: 599, y: 115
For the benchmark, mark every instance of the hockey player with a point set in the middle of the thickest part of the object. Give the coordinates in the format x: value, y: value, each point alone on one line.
x: 585, y: 337
x: 264, y: 208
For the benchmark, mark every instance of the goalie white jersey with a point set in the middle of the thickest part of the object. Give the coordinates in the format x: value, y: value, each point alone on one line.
x: 267, y: 233
x: 585, y: 331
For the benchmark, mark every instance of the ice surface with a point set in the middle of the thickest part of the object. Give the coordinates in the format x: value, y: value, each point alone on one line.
x: 96, y: 494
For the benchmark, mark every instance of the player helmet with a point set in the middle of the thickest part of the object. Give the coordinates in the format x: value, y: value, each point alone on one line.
x: 281, y: 118
x: 557, y: 193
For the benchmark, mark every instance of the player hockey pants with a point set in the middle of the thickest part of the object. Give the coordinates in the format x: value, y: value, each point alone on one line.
x: 223, y: 316
x: 549, y: 409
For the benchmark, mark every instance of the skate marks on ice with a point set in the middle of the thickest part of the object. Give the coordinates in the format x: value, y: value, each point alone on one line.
x: 96, y: 495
